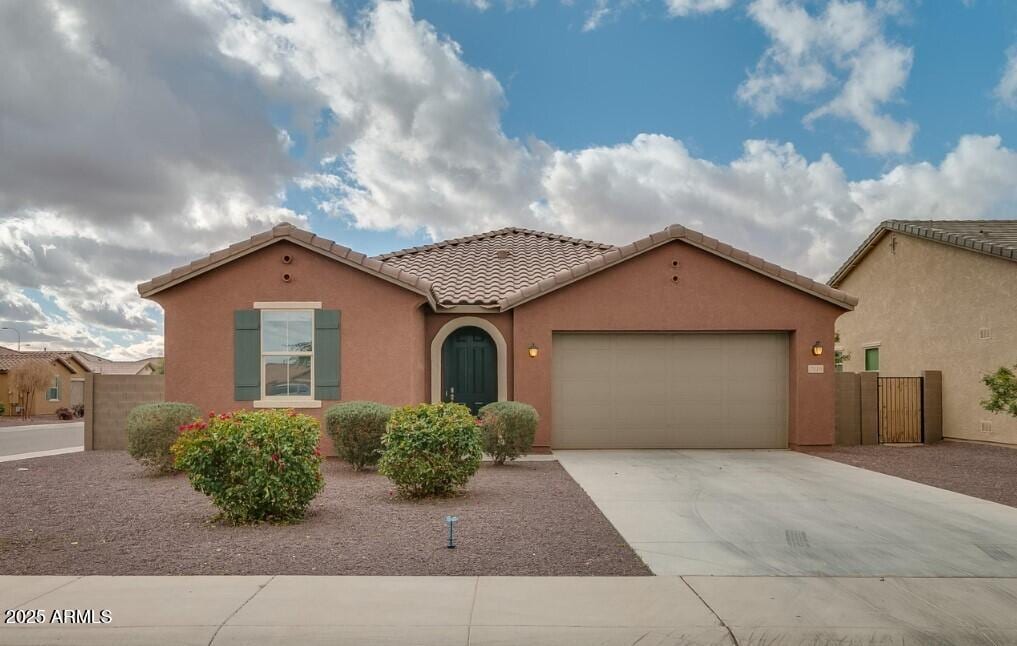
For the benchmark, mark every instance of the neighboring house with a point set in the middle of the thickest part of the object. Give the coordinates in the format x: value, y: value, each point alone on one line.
x: 69, y: 368
x: 937, y: 295
x: 101, y: 366
x: 64, y: 392
x: 676, y: 340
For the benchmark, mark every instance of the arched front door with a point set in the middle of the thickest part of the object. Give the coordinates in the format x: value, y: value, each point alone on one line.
x: 469, y: 368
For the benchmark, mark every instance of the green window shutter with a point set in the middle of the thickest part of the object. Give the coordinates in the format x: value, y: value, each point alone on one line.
x: 326, y: 354
x: 246, y: 355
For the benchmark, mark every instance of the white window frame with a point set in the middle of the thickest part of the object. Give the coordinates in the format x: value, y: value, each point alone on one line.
x: 56, y: 387
x: 285, y: 401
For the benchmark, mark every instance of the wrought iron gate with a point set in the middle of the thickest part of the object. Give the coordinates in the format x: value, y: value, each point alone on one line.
x: 900, y: 410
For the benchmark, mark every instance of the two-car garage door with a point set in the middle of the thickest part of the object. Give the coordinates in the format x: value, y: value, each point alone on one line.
x: 670, y: 391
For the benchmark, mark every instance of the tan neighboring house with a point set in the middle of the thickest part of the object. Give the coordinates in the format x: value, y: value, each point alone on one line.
x: 65, y: 391
x: 937, y: 295
x: 69, y: 369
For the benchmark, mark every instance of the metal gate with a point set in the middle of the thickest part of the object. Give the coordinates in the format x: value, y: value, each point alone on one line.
x: 900, y: 410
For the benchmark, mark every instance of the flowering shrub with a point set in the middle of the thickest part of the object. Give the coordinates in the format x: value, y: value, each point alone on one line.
x: 508, y: 429
x: 254, y: 465
x: 430, y: 449
x: 356, y: 429
x: 152, y: 430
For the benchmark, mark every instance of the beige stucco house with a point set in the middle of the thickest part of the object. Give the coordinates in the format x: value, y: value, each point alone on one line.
x: 937, y: 295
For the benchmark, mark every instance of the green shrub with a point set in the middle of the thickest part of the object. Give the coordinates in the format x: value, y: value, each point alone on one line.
x: 3, y: 409
x: 430, y: 449
x: 152, y: 429
x: 356, y: 429
x: 508, y: 429
x: 254, y: 465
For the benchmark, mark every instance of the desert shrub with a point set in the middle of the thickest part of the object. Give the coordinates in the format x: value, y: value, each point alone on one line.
x: 79, y: 410
x: 254, y: 465
x: 356, y: 429
x: 64, y: 413
x: 508, y: 429
x: 3, y: 409
x: 152, y: 429
x: 1002, y: 386
x: 430, y: 449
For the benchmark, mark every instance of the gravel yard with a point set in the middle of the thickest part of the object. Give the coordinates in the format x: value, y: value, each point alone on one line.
x: 98, y: 513
x: 979, y: 470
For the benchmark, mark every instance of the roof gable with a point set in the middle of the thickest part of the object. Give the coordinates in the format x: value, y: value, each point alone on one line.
x: 484, y: 268
x: 989, y: 237
x: 677, y: 232
x: 306, y: 239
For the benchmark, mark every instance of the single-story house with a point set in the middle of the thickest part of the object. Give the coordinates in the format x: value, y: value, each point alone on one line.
x: 675, y: 340
x: 937, y: 295
x: 65, y: 391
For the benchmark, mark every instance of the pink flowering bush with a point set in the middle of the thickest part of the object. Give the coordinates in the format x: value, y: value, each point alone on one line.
x: 254, y: 465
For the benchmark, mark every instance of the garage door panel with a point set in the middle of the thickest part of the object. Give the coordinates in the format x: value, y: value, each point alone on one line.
x: 669, y: 390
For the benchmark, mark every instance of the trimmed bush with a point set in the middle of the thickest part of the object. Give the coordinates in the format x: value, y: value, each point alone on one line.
x: 508, y: 429
x: 152, y: 429
x: 356, y: 429
x: 64, y: 413
x: 255, y: 465
x: 431, y: 449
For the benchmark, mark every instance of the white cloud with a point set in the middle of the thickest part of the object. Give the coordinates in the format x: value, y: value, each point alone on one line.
x: 843, y: 47
x: 686, y: 7
x: 1006, y: 89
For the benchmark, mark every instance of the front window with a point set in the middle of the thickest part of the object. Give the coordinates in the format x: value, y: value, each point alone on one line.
x: 53, y: 393
x: 287, y: 351
x: 872, y: 359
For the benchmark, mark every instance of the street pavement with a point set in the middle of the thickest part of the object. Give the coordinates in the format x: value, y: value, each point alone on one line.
x: 38, y: 440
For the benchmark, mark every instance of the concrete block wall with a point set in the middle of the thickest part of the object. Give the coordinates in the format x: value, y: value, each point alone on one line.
x: 108, y: 400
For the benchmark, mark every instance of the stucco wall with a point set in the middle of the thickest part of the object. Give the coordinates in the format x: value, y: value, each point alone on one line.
x: 382, y: 343
x: 711, y: 294
x: 924, y: 303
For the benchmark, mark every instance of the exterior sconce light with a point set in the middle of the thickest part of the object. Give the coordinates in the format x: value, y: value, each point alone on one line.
x: 533, y: 350
x: 817, y: 349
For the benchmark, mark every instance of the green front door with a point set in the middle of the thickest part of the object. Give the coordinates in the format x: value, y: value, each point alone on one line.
x: 469, y: 368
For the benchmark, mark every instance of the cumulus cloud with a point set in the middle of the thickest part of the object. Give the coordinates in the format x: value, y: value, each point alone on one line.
x: 129, y: 144
x: 844, y: 47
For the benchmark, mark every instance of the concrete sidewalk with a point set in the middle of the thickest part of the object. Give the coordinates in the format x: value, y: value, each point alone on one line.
x: 517, y: 610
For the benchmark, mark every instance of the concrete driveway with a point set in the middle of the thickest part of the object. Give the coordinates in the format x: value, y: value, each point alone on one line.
x: 765, y: 513
x: 37, y: 440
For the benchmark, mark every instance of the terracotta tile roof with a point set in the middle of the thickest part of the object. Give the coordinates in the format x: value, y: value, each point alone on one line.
x: 13, y: 359
x: 498, y: 270
x: 677, y: 232
x: 484, y: 268
x: 990, y: 237
x: 290, y: 233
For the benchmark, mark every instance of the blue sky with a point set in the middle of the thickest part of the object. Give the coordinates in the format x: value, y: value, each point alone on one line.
x: 148, y: 134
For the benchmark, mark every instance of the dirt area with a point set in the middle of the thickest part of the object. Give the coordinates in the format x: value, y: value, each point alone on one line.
x: 979, y: 470
x: 99, y: 513
x: 6, y: 421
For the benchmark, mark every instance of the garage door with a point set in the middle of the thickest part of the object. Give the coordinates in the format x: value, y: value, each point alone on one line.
x: 669, y: 391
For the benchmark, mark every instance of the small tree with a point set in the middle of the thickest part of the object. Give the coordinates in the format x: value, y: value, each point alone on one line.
x: 1002, y: 391
x: 26, y: 380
